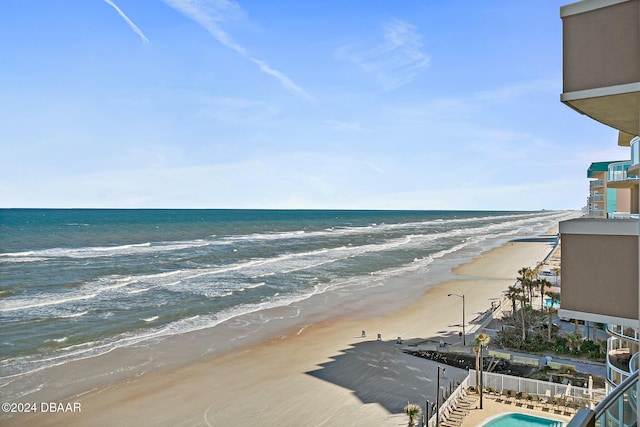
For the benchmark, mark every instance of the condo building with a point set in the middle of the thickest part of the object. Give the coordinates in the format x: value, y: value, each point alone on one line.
x: 600, y: 252
x: 610, y: 189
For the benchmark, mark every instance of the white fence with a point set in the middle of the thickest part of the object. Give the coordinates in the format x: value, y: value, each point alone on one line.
x: 501, y: 382
x: 450, y: 401
x: 526, y: 386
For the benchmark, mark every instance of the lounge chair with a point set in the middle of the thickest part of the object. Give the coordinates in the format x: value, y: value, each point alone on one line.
x: 451, y: 416
x: 461, y: 407
x: 531, y: 402
x: 519, y: 399
x: 546, y: 400
x: 509, y: 397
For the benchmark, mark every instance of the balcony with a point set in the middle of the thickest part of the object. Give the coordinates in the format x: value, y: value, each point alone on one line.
x: 623, y: 332
x: 620, y: 408
x: 596, y: 183
x: 600, y: 270
x: 622, y: 215
x: 596, y: 213
x: 635, y: 155
x: 618, y: 175
x: 619, y: 354
x: 601, y: 61
x: 597, y: 198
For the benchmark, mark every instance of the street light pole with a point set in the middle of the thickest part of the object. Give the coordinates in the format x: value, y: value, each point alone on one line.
x: 464, y: 336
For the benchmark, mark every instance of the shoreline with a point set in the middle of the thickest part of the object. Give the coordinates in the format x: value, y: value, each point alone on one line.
x: 275, y: 380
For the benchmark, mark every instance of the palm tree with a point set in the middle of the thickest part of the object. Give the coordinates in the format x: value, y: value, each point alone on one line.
x: 541, y: 284
x: 527, y: 277
x: 413, y: 411
x: 523, y: 298
x: 523, y: 277
x: 574, y: 341
x: 515, y: 293
x: 482, y: 340
x: 557, y: 271
x: 555, y: 297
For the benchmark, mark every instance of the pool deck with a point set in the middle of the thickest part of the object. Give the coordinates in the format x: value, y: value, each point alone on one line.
x: 491, y: 408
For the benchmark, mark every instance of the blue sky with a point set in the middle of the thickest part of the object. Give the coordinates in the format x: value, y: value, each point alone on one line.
x: 290, y: 104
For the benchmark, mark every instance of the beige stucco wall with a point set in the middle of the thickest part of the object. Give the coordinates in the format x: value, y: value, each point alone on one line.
x: 601, y: 47
x: 623, y: 200
x: 600, y: 274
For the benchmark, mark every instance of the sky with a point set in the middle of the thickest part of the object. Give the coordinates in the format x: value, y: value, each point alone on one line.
x: 333, y: 104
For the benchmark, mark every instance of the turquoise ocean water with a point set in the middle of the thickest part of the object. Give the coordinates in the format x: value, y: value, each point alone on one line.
x: 78, y: 283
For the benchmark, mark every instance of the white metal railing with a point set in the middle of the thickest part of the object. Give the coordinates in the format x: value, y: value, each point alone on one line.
x: 447, y: 404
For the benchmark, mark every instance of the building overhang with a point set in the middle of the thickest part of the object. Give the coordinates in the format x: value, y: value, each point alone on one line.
x: 624, y: 183
x: 616, y: 106
x: 599, y: 318
x: 624, y: 139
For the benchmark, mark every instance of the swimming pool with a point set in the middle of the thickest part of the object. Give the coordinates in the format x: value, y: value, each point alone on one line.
x: 521, y: 420
x: 547, y: 303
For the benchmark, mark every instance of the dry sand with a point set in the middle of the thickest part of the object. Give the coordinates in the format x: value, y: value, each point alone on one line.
x: 321, y: 375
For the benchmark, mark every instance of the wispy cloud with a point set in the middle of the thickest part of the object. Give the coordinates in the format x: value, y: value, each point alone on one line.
x: 236, y: 110
x: 520, y: 88
x: 211, y: 14
x: 133, y: 26
x: 398, y: 60
x: 344, y: 126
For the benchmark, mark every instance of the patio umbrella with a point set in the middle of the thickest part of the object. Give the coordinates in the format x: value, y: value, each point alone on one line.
x: 567, y: 392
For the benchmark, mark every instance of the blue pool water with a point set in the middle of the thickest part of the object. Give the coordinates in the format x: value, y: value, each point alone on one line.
x: 548, y: 304
x: 522, y: 420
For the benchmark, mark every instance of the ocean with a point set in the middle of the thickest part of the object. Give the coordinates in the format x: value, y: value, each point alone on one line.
x: 79, y: 283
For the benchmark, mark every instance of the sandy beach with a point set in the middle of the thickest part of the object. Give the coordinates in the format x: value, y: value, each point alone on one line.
x: 324, y: 374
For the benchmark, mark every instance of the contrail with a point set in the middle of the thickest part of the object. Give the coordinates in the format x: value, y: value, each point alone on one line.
x: 209, y: 14
x: 133, y: 26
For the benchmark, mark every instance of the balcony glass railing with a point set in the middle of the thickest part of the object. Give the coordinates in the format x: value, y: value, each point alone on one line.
x: 635, y: 151
x: 619, y: 171
x: 615, y: 343
x: 623, y: 332
x: 619, y: 408
x: 596, y: 183
x: 619, y: 352
x: 622, y: 215
x: 633, y: 363
x: 597, y: 198
x: 596, y: 212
